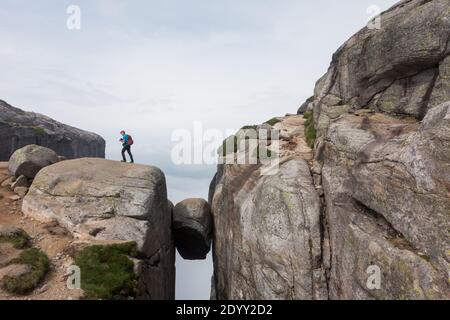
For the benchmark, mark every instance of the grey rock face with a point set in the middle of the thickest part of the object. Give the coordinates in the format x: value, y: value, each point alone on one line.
x: 102, y: 201
x: 375, y: 197
x: 401, y: 69
x: 19, y: 128
x: 307, y: 105
x: 385, y: 179
x: 388, y: 205
x: 267, y: 234
x: 28, y: 160
x: 192, y: 228
x: 267, y: 239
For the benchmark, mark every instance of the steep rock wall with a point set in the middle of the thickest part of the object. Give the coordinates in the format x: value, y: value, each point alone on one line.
x: 379, y: 171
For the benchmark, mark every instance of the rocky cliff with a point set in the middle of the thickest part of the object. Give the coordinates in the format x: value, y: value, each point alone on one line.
x: 19, y: 128
x: 364, y: 213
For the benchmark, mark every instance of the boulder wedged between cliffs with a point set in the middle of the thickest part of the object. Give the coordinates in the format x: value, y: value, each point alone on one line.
x: 192, y: 227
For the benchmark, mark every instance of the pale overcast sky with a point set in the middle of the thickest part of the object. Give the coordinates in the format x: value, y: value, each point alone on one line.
x: 151, y: 67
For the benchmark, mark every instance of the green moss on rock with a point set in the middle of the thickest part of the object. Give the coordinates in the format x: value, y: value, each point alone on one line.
x: 25, y: 283
x: 39, y: 131
x: 250, y: 127
x: 107, y: 271
x: 273, y: 121
x: 310, y: 130
x: 17, y: 237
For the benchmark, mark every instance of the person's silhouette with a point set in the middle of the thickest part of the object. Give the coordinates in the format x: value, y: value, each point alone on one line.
x: 127, y: 142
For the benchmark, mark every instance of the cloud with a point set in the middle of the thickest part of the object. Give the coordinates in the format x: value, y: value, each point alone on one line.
x: 111, y: 8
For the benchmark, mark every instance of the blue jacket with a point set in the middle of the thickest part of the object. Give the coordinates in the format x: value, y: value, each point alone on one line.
x: 125, y: 138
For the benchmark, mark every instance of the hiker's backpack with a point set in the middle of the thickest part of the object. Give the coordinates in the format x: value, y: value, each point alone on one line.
x: 130, y: 141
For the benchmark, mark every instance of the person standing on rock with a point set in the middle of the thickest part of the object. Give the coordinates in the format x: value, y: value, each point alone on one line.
x: 127, y: 142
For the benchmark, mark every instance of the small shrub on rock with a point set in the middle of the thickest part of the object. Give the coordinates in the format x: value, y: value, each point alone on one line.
x: 273, y: 121
x: 17, y: 237
x: 310, y: 130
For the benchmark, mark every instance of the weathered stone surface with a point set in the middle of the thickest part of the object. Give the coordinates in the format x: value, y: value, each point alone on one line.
x: 407, y: 95
x: 19, y: 128
x: 7, y: 253
x: 264, y: 222
x: 385, y: 180
x: 388, y: 205
x: 306, y: 106
x: 192, y: 228
x: 379, y: 194
x: 106, y: 201
x: 21, y: 191
x: 15, y: 270
x: 171, y: 206
x: 267, y: 233
x: 28, y: 160
x: 267, y: 225
x: 399, y: 69
x: 441, y: 90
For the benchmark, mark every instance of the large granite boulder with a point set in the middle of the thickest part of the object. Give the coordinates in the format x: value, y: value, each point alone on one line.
x: 19, y: 128
x: 29, y: 160
x: 192, y: 227
x: 101, y: 201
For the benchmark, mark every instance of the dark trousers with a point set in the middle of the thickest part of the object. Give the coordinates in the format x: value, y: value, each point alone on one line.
x: 127, y: 148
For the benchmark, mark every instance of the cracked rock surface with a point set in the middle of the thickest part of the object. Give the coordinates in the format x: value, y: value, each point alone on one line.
x: 374, y: 194
x: 267, y: 239
x: 387, y: 204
